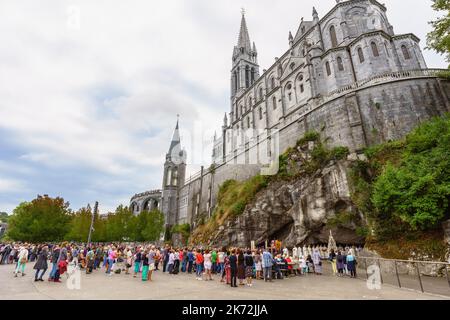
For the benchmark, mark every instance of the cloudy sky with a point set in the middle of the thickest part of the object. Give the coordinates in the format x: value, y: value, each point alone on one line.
x: 90, y: 90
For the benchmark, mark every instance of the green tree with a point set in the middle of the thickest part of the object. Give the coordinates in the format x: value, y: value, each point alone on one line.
x: 4, y: 217
x: 79, y: 225
x: 43, y: 219
x: 439, y: 38
x: 153, y: 225
x: 119, y: 225
x: 417, y: 190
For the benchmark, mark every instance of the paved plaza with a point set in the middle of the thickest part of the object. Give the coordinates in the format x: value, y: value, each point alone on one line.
x: 183, y: 286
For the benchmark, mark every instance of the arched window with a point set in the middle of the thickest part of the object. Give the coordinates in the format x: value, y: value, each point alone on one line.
x: 272, y: 81
x: 405, y: 51
x: 253, y: 75
x: 361, y: 55
x: 300, y: 79
x: 241, y: 110
x: 334, y: 42
x: 375, y: 51
x: 250, y: 102
x: 260, y: 113
x: 169, y: 176
x: 261, y: 94
x: 248, y: 122
x: 274, y: 103
x: 175, y: 178
x: 340, y: 64
x: 327, y: 66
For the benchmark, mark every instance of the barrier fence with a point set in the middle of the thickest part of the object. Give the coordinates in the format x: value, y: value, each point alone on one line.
x: 426, y: 276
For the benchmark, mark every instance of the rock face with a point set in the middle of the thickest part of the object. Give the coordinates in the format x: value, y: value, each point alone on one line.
x: 296, y: 212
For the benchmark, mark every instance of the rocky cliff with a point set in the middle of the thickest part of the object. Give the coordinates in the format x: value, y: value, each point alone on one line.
x: 299, y: 208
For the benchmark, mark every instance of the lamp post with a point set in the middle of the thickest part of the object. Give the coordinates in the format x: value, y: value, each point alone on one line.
x: 92, y: 223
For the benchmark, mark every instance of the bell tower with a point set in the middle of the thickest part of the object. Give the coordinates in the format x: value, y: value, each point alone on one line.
x: 173, y: 179
x: 245, y: 69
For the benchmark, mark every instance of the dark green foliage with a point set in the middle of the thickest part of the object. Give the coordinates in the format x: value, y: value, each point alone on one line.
x: 405, y: 185
x: 148, y: 226
x: 47, y: 219
x: 4, y: 217
x: 43, y: 219
x: 418, y: 189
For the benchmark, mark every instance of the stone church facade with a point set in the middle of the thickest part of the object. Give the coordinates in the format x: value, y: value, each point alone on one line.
x: 347, y: 76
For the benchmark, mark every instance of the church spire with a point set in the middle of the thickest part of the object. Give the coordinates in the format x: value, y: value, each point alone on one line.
x: 244, y: 38
x: 176, y: 137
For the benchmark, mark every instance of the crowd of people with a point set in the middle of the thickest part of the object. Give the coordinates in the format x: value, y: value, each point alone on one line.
x: 232, y: 266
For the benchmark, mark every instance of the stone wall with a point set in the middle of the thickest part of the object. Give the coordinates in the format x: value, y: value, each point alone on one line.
x: 360, y: 118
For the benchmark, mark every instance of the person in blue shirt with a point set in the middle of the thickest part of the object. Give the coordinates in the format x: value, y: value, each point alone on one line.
x: 267, y: 262
x: 190, y: 260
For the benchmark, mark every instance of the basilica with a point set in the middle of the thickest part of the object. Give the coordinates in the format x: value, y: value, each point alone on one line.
x: 346, y: 75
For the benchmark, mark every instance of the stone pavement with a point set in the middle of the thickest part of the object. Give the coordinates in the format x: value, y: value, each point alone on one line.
x: 183, y: 286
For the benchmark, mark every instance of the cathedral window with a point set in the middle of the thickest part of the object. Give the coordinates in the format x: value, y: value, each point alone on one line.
x: 261, y: 93
x: 169, y: 176
x: 361, y: 55
x: 290, y: 96
x: 253, y: 75
x: 375, y: 51
x: 248, y: 122
x: 302, y: 88
x: 340, y: 64
x: 333, y: 37
x: 175, y: 178
x: 250, y: 102
x: 327, y: 66
x: 405, y: 51
x: 274, y: 103
x: 241, y: 110
x: 272, y: 81
x: 260, y: 113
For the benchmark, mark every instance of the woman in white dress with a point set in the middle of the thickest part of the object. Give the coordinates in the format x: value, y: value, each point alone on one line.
x: 208, y: 265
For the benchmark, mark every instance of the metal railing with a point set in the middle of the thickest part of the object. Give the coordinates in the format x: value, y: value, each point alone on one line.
x: 382, y: 78
x: 426, y: 276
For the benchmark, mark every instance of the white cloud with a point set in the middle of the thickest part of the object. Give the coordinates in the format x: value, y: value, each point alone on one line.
x: 11, y: 185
